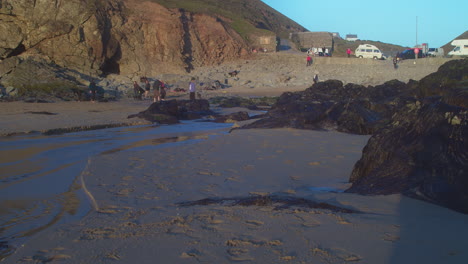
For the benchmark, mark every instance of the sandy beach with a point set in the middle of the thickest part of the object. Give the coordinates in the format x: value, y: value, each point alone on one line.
x: 146, y: 209
x: 249, y: 196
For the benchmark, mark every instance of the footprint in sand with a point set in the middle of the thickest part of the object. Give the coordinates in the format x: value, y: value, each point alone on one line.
x: 127, y: 178
x: 308, y: 221
x: 335, y: 255
x: 295, y: 178
x: 391, y: 237
x: 249, y: 167
x: 254, y: 223
x: 239, y: 254
x: 112, y: 256
x: 209, y: 173
x: 48, y: 255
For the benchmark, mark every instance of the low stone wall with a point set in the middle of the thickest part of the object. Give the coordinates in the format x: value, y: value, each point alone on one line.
x: 358, y: 61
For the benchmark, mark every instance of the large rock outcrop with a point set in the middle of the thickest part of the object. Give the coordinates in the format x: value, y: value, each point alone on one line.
x: 116, y: 36
x: 135, y: 37
x: 330, y: 105
x: 171, y: 111
x: 419, y: 145
x: 423, y: 152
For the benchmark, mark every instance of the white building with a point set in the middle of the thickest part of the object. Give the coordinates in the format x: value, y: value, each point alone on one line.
x: 351, y: 37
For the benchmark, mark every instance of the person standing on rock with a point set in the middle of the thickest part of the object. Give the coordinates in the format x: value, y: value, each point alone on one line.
x: 147, y: 88
x: 92, y: 90
x: 192, y: 89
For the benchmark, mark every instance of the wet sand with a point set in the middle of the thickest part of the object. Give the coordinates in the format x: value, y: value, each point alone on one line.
x: 247, y: 197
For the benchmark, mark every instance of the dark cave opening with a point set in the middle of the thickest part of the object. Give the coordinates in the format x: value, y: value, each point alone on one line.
x: 17, y: 51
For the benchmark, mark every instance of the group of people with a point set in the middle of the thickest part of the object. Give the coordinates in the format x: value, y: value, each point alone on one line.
x: 322, y: 52
x: 159, y: 89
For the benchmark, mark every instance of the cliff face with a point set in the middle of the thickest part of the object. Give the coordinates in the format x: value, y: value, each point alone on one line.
x: 131, y: 37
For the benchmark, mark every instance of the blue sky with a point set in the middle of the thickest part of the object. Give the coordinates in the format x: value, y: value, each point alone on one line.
x: 394, y: 22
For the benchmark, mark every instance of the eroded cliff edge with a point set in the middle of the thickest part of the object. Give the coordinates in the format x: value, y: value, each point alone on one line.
x: 129, y: 37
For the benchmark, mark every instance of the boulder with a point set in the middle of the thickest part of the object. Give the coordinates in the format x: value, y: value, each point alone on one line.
x: 330, y: 105
x: 233, y: 117
x: 422, y: 154
x: 171, y: 111
x: 423, y: 151
x: 450, y: 75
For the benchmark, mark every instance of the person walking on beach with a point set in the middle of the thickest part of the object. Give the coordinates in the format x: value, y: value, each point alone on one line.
x: 309, y: 61
x: 395, y: 62
x: 316, y: 78
x: 92, y: 90
x: 137, y: 91
x: 147, y: 88
x: 157, y: 91
x: 192, y: 88
x: 348, y: 51
x: 163, y: 91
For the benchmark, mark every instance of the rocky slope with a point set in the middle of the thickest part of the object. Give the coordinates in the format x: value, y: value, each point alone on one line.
x: 129, y: 37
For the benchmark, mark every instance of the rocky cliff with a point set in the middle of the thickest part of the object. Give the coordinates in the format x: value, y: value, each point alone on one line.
x: 130, y: 37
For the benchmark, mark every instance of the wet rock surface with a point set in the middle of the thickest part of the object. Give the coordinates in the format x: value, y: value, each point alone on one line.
x: 171, y: 111
x: 237, y: 116
x: 423, y: 152
x: 278, y: 202
x: 419, y: 145
x: 331, y: 105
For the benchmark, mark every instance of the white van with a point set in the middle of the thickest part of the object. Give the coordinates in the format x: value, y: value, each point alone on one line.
x: 368, y: 51
x: 435, y: 52
x: 461, y: 47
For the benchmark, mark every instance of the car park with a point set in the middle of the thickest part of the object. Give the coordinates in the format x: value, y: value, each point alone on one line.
x: 435, y: 52
x: 410, y: 54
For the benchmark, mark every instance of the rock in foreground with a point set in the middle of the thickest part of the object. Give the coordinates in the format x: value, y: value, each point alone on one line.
x: 423, y: 152
x: 423, y: 155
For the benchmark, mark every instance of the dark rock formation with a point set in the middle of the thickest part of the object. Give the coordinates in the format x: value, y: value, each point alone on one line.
x: 450, y: 76
x: 171, y: 111
x: 330, y: 105
x: 423, y: 151
x: 423, y: 154
x: 249, y: 103
x: 238, y: 116
x: 419, y: 145
x: 277, y: 202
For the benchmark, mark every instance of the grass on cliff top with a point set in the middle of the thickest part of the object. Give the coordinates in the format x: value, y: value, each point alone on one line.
x: 248, y: 17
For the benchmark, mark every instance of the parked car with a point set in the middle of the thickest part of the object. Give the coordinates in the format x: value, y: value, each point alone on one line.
x: 409, y: 54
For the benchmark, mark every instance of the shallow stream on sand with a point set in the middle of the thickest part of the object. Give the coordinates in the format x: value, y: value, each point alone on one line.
x: 39, y: 175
